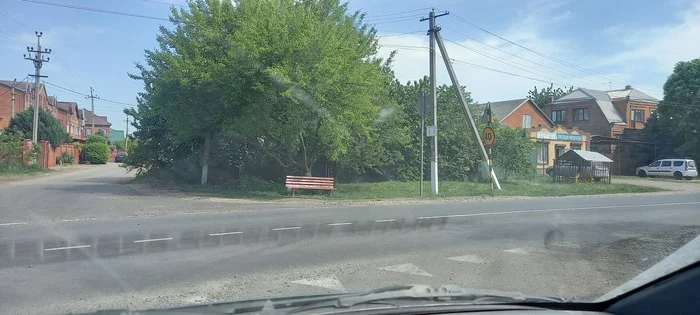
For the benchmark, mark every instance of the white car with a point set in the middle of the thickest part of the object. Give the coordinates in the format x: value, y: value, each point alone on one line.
x: 676, y: 168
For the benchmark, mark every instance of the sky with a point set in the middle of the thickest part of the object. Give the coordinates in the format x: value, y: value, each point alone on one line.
x: 500, y: 49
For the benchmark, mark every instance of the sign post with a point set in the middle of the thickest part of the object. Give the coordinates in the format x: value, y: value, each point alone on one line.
x: 489, y: 138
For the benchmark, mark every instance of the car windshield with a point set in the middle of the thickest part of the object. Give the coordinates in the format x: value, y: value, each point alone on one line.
x: 162, y: 153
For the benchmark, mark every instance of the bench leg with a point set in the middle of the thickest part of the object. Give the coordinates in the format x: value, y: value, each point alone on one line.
x: 330, y: 193
x: 293, y: 190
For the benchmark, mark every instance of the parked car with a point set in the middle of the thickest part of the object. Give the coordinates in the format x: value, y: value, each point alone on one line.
x: 120, y: 157
x: 597, y: 171
x: 677, y: 168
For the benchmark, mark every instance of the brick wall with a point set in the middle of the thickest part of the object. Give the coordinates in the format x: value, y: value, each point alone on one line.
x: 6, y: 104
x: 596, y: 124
x: 515, y: 119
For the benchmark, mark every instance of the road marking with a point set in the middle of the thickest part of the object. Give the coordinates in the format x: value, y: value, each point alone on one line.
x: 518, y: 251
x: 407, y: 268
x: 339, y: 224
x: 67, y: 247
x: 553, y: 210
x: 13, y: 223
x: 468, y: 258
x: 224, y: 233
x: 386, y: 220
x: 154, y: 240
x: 75, y: 220
x: 287, y: 228
x: 328, y: 283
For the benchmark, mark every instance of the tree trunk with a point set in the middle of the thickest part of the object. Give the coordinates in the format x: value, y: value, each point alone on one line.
x: 205, y: 158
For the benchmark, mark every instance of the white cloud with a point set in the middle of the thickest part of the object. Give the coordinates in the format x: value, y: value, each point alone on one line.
x: 658, y: 48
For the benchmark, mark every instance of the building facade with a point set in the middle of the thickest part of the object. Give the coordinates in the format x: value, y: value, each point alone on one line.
x: 69, y: 115
x: 102, y: 125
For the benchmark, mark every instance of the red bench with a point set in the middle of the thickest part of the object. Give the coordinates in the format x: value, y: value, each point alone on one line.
x: 308, y: 182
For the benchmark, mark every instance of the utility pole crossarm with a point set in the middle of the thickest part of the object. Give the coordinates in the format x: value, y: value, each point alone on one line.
x: 38, y: 61
x: 462, y: 101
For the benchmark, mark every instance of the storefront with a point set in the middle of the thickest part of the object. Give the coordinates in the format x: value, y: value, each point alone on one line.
x: 554, y: 142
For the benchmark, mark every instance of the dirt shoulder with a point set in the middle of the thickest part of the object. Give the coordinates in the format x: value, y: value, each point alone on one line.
x: 55, y: 171
x: 662, y: 183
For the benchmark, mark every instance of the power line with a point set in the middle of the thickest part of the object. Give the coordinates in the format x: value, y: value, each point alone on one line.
x: 20, y: 81
x: 496, y: 70
x: 76, y: 7
x: 399, y: 13
x: 87, y: 95
x: 163, y: 2
x: 517, y: 56
x: 504, y: 62
x: 539, y: 53
x: 392, y: 34
x: 404, y: 20
x: 393, y: 18
x: 16, y: 21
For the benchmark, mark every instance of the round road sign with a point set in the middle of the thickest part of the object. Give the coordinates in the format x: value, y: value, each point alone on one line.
x: 489, y: 136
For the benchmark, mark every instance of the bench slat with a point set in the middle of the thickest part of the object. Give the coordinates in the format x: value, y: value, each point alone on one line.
x: 310, y: 177
x: 310, y: 182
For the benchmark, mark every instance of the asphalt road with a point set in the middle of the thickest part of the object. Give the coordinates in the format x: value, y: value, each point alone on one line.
x: 88, y: 240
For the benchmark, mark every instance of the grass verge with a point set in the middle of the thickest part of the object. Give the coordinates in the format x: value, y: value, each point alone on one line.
x: 540, y: 187
x: 15, y: 170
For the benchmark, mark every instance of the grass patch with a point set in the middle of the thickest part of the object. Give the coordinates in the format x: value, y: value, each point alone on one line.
x: 538, y: 187
x: 20, y: 170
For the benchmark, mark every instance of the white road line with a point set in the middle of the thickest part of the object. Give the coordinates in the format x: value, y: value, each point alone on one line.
x: 339, y: 224
x: 553, y: 210
x: 67, y: 247
x: 75, y: 220
x: 154, y: 240
x: 287, y: 228
x: 385, y: 220
x: 13, y: 223
x: 224, y: 233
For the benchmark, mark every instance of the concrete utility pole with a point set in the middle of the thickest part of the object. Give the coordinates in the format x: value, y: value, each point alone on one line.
x: 433, y: 101
x: 12, y: 115
x: 126, y: 135
x: 92, y: 118
x: 38, y: 61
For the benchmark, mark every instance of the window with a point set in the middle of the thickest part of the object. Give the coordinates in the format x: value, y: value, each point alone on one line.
x: 575, y: 146
x: 559, y: 150
x: 543, y: 153
x: 655, y: 164
x: 559, y: 115
x: 665, y: 163
x: 88, y: 132
x: 678, y: 163
x: 527, y: 121
x: 638, y: 115
x: 581, y: 114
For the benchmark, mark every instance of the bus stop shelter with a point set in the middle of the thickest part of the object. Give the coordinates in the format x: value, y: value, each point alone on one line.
x: 582, y: 166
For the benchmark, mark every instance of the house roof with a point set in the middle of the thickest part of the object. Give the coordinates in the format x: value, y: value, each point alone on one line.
x: 68, y: 107
x: 578, y: 155
x: 600, y: 97
x: 501, y: 110
x: 633, y: 94
x: 19, y: 85
x: 99, y: 120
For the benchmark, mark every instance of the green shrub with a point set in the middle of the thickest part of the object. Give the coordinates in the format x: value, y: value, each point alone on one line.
x: 97, y: 152
x: 96, y: 139
x: 10, y: 146
x: 66, y: 158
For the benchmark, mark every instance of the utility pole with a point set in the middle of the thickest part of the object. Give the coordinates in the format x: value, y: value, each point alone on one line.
x: 38, y: 61
x: 126, y: 135
x: 92, y: 118
x: 12, y: 115
x: 433, y: 101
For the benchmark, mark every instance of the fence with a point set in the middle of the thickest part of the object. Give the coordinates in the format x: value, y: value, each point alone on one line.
x: 48, y: 154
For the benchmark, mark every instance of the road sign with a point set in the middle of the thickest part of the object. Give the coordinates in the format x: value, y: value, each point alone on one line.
x: 423, y: 105
x: 432, y: 131
x: 489, y: 136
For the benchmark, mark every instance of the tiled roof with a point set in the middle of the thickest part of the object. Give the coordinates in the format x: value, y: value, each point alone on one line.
x: 99, y: 120
x: 633, y: 94
x: 600, y: 97
x: 500, y: 110
x: 68, y: 107
x: 19, y: 85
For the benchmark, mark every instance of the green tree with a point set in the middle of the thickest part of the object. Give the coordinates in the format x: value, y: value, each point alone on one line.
x: 541, y: 96
x: 296, y: 80
x: 10, y: 146
x: 679, y: 111
x: 50, y: 128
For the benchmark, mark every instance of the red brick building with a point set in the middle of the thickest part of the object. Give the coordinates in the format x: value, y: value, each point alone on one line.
x: 71, y: 119
x: 101, y: 123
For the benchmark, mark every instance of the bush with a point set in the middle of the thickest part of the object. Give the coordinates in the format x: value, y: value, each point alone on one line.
x: 96, y: 139
x: 66, y: 158
x: 96, y: 152
x: 10, y: 146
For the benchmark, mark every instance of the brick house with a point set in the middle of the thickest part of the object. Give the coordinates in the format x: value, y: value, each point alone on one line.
x: 101, y: 123
x: 70, y: 117
x: 24, y: 99
x: 553, y: 140
x: 605, y: 115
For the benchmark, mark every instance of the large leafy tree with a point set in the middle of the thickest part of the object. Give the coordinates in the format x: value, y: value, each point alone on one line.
x: 50, y: 128
x: 295, y: 80
x: 541, y: 96
x: 679, y: 111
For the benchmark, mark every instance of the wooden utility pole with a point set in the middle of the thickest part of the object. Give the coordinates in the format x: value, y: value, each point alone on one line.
x: 38, y: 61
x: 12, y: 115
x: 92, y: 101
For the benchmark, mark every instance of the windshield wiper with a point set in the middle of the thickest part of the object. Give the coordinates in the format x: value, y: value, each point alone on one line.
x: 443, y: 294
